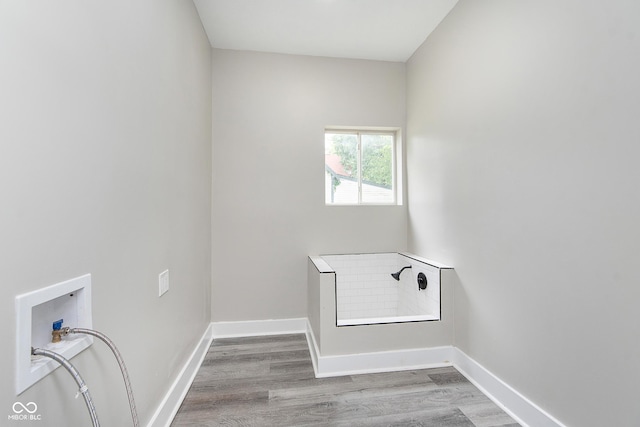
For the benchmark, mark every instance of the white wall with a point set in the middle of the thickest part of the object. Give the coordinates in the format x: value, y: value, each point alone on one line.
x: 269, y: 115
x: 105, y: 169
x: 523, y: 148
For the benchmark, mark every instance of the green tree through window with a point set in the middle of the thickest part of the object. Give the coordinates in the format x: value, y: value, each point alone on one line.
x: 377, y: 159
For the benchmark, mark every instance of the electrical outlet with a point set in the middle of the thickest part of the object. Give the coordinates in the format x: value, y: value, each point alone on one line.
x: 163, y: 282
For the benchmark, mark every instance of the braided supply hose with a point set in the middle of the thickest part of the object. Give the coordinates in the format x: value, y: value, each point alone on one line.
x: 123, y: 368
x: 76, y: 376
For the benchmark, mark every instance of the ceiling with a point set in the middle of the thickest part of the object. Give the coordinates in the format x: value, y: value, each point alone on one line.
x: 386, y: 30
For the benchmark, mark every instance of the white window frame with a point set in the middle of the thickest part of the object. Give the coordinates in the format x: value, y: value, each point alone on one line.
x: 396, y: 156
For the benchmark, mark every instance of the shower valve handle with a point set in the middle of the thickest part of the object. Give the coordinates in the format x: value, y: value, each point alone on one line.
x: 422, y: 281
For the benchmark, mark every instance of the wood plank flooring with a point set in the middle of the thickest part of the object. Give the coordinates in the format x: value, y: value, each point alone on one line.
x: 269, y: 381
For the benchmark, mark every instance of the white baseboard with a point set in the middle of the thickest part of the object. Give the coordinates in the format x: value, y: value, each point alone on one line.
x: 169, y: 406
x: 314, y: 351
x: 523, y: 410
x: 259, y: 327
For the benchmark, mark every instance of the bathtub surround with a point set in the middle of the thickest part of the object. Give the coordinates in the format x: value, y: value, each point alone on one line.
x: 105, y: 169
x: 333, y: 340
x: 367, y: 293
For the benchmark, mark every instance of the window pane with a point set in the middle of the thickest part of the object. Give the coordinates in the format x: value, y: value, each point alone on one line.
x: 377, y: 169
x: 341, y: 168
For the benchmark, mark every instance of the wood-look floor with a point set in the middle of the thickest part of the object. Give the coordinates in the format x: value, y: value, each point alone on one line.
x: 269, y: 381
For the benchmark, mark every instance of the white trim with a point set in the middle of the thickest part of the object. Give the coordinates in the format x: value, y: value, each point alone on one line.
x: 314, y: 351
x: 259, y: 327
x: 520, y: 408
x: 390, y: 319
x: 430, y: 262
x: 169, y: 406
x: 321, y: 265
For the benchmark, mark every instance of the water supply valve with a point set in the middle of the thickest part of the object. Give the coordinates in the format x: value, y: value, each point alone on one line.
x: 56, y: 334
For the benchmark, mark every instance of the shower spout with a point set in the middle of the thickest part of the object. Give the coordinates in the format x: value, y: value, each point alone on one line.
x: 397, y: 275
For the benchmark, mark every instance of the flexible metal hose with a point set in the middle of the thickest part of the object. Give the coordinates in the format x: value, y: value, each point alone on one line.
x: 76, y: 376
x: 123, y: 368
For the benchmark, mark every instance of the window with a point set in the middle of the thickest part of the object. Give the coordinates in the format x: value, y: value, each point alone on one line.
x: 360, y: 167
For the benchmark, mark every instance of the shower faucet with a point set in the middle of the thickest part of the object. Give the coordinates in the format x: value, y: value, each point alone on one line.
x: 397, y: 275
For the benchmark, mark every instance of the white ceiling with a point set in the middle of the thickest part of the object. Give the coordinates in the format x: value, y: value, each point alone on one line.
x: 387, y: 30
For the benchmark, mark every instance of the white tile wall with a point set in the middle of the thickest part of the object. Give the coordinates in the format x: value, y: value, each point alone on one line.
x: 365, y: 288
x: 411, y: 300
